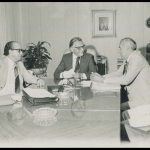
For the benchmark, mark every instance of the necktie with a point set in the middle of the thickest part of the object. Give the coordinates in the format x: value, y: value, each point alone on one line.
x: 77, y: 67
x: 125, y: 68
x: 124, y: 98
x: 124, y: 92
x: 17, y: 80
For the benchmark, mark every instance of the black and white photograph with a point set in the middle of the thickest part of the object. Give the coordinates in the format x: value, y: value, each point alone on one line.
x: 104, y: 23
x: 74, y: 74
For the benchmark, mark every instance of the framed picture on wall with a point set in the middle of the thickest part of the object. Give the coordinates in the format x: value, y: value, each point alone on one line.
x: 103, y: 23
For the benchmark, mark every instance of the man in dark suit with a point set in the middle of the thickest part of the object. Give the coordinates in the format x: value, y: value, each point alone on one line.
x: 77, y: 61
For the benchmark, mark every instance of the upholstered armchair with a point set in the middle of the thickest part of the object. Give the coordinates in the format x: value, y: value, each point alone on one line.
x: 101, y: 61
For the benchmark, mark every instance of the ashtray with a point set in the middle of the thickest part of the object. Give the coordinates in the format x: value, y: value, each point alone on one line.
x: 45, y: 116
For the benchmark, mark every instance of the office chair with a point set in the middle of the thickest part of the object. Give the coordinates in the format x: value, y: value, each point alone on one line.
x: 101, y: 61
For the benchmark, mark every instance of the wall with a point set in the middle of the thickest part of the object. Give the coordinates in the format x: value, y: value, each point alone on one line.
x: 58, y: 22
x: 9, y: 18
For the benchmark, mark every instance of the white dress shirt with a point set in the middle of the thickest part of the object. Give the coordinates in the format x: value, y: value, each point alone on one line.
x: 74, y: 61
x: 136, y: 79
x: 123, y: 80
x: 7, y: 84
x: 10, y: 82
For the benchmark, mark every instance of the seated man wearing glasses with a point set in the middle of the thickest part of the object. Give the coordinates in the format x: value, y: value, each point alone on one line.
x: 13, y: 72
x: 77, y: 61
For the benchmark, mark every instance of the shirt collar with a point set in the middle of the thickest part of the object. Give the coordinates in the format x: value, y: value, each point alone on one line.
x: 131, y: 55
x: 11, y: 62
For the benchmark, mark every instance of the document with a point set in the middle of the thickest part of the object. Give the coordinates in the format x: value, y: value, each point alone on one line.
x: 102, y: 87
x: 38, y: 93
x: 140, y: 122
x: 86, y: 83
x: 140, y: 116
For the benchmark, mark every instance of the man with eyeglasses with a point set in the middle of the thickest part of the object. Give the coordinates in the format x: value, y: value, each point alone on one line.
x: 13, y: 72
x: 76, y: 63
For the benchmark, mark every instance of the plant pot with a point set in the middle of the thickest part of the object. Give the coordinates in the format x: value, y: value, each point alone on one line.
x: 39, y: 71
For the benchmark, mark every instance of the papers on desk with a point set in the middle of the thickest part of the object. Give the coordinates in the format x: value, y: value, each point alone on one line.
x: 86, y: 83
x: 38, y: 93
x: 104, y: 87
x: 140, y: 122
x: 140, y: 117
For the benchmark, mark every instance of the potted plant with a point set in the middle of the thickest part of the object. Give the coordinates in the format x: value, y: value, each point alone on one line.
x: 36, y: 57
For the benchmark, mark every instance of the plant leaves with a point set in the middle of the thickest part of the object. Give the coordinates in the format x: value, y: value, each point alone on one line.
x: 36, y: 55
x: 45, y: 42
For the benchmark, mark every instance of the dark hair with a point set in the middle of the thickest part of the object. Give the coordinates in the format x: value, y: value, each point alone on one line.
x: 7, y: 47
x: 130, y: 41
x: 74, y: 40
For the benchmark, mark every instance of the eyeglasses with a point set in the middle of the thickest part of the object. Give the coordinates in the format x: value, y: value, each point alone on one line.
x: 19, y: 50
x: 83, y: 46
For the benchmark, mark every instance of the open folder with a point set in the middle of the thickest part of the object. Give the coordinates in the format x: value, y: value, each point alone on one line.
x: 39, y: 96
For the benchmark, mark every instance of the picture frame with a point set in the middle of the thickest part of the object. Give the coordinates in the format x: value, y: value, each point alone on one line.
x: 103, y: 23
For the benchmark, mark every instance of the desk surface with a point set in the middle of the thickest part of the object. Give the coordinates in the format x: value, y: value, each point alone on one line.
x: 94, y: 122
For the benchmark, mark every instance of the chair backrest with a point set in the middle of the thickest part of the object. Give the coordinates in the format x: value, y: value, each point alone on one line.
x: 92, y: 50
x: 101, y: 61
x: 102, y: 64
x: 67, y: 51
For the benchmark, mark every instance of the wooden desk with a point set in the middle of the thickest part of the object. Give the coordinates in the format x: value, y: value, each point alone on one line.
x: 96, y: 125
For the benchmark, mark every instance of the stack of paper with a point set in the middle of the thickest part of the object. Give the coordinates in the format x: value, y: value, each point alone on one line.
x: 102, y: 87
x: 38, y: 93
x: 86, y: 83
x: 140, y: 116
x: 140, y: 122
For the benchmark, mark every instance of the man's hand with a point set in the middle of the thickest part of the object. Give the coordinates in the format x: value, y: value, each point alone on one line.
x: 40, y: 83
x: 68, y: 74
x: 96, y: 77
x: 125, y: 115
x: 125, y: 106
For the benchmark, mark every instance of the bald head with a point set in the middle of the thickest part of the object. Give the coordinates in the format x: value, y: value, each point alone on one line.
x: 12, y: 45
x: 128, y: 43
x: 13, y: 50
x: 127, y: 46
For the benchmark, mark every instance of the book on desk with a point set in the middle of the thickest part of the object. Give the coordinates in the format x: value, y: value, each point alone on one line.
x: 39, y: 96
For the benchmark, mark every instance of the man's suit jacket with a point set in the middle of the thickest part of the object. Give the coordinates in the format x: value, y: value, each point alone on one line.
x: 24, y: 73
x: 137, y: 79
x: 87, y: 65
